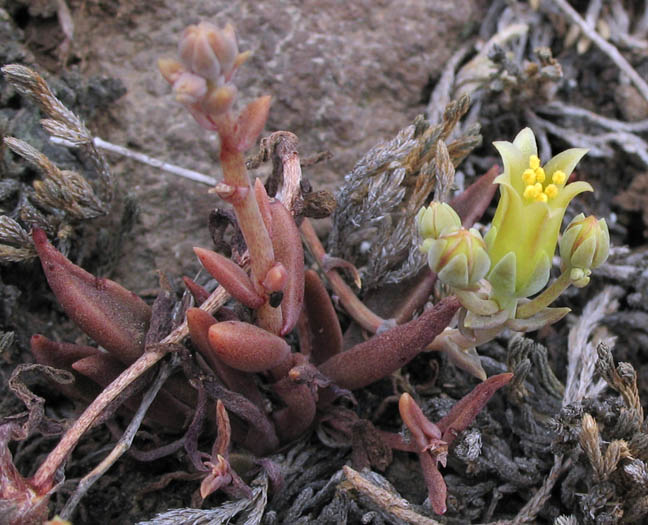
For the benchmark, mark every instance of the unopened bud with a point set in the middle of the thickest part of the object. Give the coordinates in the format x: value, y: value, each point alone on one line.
x: 208, y: 51
x: 171, y: 69
x: 459, y: 258
x: 437, y: 219
x: 224, y: 45
x: 219, y: 99
x: 585, y: 243
x: 189, y: 88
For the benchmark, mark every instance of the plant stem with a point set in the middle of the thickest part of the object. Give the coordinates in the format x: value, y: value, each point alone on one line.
x: 354, y: 306
x: 44, y: 477
x: 524, y: 311
x: 254, y: 231
x: 122, y: 446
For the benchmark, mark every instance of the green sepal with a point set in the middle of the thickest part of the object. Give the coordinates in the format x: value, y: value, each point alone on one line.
x: 545, y: 317
x: 455, y: 272
x: 502, y: 276
x: 538, y: 279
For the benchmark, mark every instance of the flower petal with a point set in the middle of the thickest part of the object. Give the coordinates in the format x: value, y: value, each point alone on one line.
x: 565, y: 161
x: 525, y: 141
x: 514, y: 164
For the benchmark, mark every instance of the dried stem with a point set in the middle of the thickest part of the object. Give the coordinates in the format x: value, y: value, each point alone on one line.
x: 385, y: 500
x: 44, y: 476
x: 145, y: 159
x: 604, y: 46
x: 122, y: 445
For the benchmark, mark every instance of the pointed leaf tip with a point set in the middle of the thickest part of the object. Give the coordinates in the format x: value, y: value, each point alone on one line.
x: 230, y: 276
x: 251, y: 122
x: 110, y: 314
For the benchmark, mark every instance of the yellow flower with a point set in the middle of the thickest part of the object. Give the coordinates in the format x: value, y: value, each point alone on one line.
x: 524, y: 233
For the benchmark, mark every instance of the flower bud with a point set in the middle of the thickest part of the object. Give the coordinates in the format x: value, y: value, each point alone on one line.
x: 219, y: 99
x: 459, y: 258
x: 585, y: 243
x: 189, y: 88
x: 435, y: 220
x: 208, y: 51
x: 171, y: 69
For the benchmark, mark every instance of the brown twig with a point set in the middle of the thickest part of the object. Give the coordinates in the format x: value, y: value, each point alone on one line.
x: 122, y: 445
x: 44, y: 476
x: 611, y: 51
x: 385, y: 500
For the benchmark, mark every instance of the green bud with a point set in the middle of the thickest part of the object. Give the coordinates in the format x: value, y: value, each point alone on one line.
x: 437, y: 219
x: 459, y: 258
x: 585, y: 244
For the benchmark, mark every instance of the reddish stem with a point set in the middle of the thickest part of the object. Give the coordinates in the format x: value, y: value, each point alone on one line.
x: 254, y: 231
x: 354, y: 307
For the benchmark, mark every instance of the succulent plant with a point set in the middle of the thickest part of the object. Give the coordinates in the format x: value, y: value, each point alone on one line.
x: 248, y: 367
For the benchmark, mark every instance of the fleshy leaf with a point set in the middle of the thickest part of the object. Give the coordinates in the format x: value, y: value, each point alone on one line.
x: 247, y: 347
x: 388, y: 351
x: 113, y: 316
x: 288, y: 250
x: 230, y: 276
x: 250, y: 123
x: 199, y: 322
x: 467, y: 408
x: 323, y: 323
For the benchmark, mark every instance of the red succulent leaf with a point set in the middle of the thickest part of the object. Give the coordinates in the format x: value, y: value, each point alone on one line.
x: 109, y: 313
x: 261, y: 196
x: 231, y: 277
x: 288, y: 250
x: 59, y: 355
x: 298, y: 390
x: 323, y: 323
x: 388, y: 351
x: 466, y: 409
x: 222, y: 443
x: 62, y: 355
x: 198, y: 322
x: 422, y: 429
x: 299, y: 413
x: 247, y: 347
x: 250, y: 123
x: 436, y: 485
x: 199, y: 294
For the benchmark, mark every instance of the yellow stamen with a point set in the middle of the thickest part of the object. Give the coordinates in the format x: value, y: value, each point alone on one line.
x: 530, y: 192
x: 534, y: 162
x: 529, y: 177
x: 558, y: 177
x: 540, y: 174
x: 551, y: 190
x: 538, y: 187
x: 541, y: 197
